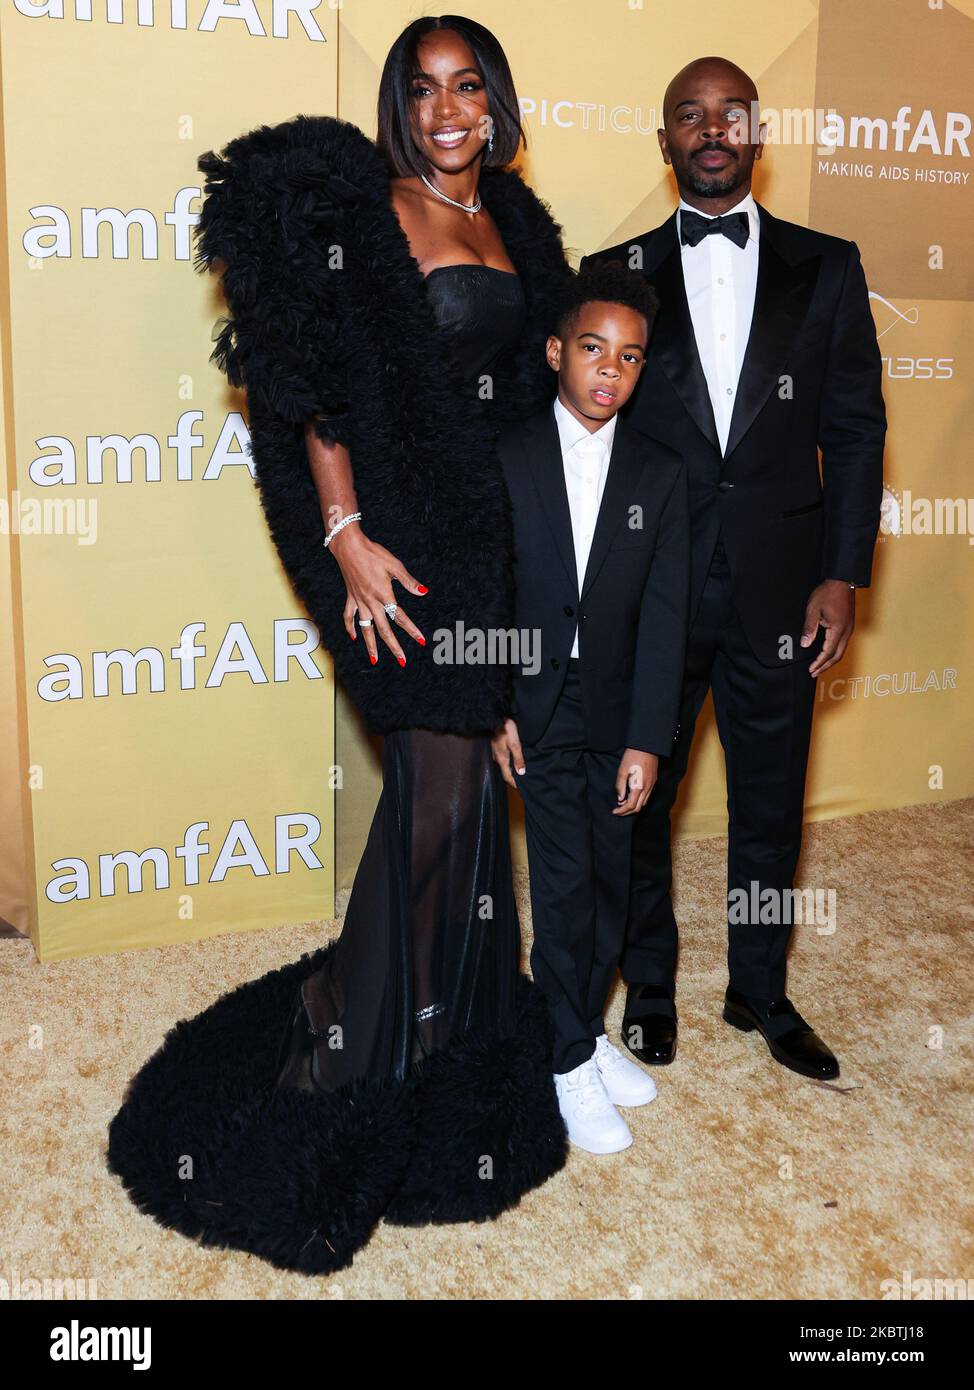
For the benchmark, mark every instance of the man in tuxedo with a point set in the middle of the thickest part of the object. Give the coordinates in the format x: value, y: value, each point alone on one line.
x: 763, y: 352
x: 601, y: 560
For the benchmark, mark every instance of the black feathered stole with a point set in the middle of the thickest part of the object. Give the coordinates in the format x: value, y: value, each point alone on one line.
x: 329, y: 314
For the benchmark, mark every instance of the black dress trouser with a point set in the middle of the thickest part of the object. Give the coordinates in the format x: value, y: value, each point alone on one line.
x: 764, y: 719
x: 578, y: 862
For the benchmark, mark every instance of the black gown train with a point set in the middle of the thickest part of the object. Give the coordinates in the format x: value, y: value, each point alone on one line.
x: 412, y: 1078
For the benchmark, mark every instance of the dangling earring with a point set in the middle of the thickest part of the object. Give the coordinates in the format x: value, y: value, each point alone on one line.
x: 490, y: 137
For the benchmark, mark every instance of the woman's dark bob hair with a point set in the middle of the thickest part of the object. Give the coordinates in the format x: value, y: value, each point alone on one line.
x: 395, y: 86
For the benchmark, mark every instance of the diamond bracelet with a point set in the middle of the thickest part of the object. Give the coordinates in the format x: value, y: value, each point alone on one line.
x: 345, y: 521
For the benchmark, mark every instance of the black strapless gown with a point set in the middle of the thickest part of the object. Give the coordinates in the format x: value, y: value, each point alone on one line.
x: 403, y: 1072
x: 430, y: 944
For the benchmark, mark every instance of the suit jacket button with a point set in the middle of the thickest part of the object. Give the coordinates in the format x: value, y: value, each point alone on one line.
x: 724, y: 485
x: 569, y: 612
x: 554, y: 662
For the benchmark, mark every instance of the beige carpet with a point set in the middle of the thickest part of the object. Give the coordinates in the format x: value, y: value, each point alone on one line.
x: 744, y: 1181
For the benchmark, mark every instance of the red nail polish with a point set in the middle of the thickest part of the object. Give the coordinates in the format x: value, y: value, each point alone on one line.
x: 422, y: 589
x: 373, y: 659
x: 421, y: 641
x: 401, y: 660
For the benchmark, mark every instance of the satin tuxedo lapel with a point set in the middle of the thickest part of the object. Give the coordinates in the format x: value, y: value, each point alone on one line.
x: 617, y: 497
x: 674, y: 345
x: 781, y: 299
x: 782, y: 295
x: 542, y: 447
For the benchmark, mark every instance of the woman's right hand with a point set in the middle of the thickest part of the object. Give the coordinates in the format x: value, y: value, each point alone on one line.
x: 368, y: 570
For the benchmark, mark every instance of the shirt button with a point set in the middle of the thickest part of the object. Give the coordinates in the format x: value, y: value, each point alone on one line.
x: 723, y: 337
x: 730, y: 391
x: 720, y: 279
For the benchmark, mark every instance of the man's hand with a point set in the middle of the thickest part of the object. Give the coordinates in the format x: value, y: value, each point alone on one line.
x: 635, y: 780
x: 833, y: 606
x: 506, y: 746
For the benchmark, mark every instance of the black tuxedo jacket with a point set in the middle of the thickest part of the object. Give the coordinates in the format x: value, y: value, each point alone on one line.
x: 632, y: 608
x: 811, y: 380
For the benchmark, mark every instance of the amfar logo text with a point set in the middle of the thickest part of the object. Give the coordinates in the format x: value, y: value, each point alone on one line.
x: 146, y: 668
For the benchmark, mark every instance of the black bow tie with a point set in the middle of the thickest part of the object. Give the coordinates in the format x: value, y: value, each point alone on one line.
x: 693, y: 227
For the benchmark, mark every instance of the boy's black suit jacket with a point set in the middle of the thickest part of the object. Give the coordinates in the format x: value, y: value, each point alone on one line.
x: 812, y: 378
x: 632, y: 609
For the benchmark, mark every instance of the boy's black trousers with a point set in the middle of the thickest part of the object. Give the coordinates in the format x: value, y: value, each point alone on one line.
x: 578, y: 861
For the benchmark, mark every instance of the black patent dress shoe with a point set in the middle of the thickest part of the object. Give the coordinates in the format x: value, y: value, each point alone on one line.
x: 649, y: 1024
x: 790, y: 1039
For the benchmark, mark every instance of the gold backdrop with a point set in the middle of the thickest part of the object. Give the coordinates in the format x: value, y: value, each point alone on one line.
x: 162, y: 687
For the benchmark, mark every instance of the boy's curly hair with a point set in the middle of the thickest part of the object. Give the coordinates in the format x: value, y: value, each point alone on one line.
x: 610, y: 281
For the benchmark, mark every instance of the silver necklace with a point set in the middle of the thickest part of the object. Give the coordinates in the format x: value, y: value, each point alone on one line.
x: 464, y: 207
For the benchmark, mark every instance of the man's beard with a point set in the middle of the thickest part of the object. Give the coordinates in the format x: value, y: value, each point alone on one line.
x: 711, y: 187
x: 706, y: 185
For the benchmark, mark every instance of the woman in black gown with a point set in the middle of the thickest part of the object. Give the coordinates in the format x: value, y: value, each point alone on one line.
x: 420, y: 960
x: 430, y: 942
x: 407, y: 1076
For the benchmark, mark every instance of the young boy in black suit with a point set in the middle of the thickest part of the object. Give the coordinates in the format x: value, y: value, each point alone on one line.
x: 601, y: 543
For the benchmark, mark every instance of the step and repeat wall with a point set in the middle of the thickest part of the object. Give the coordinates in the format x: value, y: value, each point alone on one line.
x: 174, y: 710
x: 176, y: 761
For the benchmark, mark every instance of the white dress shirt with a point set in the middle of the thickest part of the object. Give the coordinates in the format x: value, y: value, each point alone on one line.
x: 720, y: 280
x: 585, y: 458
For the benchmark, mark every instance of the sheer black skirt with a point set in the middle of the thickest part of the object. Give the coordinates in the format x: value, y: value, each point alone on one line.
x: 430, y: 945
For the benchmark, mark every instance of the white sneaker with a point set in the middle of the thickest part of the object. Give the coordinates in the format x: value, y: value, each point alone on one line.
x: 592, y: 1121
x: 625, y: 1083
